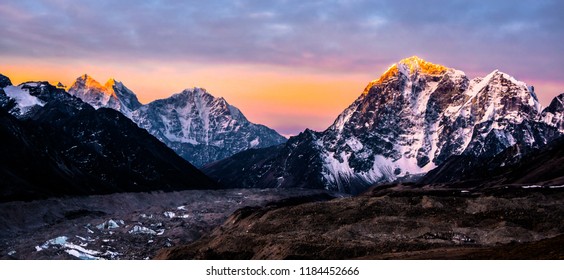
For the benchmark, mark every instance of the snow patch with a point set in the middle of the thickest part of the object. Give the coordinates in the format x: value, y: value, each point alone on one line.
x: 24, y: 100
x: 110, y: 224
x: 169, y: 214
x: 137, y: 229
x: 531, y: 187
x: 255, y: 142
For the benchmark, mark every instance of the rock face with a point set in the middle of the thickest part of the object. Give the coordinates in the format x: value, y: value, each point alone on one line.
x: 198, y: 126
x: 4, y: 81
x: 406, y: 123
x: 53, y: 144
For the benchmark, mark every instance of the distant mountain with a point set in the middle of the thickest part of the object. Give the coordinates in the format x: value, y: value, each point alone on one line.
x: 113, y: 94
x: 406, y: 123
x: 53, y: 144
x: 198, y: 126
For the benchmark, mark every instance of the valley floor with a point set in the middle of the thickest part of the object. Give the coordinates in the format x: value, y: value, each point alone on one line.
x: 390, y: 222
x: 120, y: 226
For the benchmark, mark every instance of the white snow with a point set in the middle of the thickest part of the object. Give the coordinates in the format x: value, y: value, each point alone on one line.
x: 137, y: 229
x: 169, y: 214
x: 110, y: 224
x: 531, y: 187
x: 255, y: 142
x: 81, y: 255
x: 354, y: 144
x: 181, y: 207
x: 71, y: 248
x: 24, y: 100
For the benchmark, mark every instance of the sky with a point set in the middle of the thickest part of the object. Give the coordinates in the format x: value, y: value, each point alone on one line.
x: 288, y: 64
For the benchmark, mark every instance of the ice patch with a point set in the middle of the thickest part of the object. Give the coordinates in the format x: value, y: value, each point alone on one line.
x: 111, y: 254
x: 86, y: 239
x: 81, y: 255
x: 181, y: 207
x: 61, y: 240
x: 142, y: 230
x: 111, y: 224
x: 531, y: 187
x: 71, y: 248
x: 169, y: 214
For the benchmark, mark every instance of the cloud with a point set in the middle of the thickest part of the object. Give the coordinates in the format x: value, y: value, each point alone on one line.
x: 523, y: 38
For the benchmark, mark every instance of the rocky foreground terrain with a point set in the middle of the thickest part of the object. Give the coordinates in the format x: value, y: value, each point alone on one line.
x: 122, y: 226
x: 395, y: 222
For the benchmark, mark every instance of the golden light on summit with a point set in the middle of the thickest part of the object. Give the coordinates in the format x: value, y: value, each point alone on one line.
x: 391, y: 72
x: 413, y: 64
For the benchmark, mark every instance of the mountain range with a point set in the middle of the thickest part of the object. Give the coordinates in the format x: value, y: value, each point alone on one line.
x: 407, y: 122
x: 417, y: 117
x: 198, y: 126
x: 54, y: 144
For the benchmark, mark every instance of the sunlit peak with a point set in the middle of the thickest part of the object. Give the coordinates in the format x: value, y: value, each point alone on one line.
x: 110, y: 83
x: 407, y: 66
x: 416, y: 64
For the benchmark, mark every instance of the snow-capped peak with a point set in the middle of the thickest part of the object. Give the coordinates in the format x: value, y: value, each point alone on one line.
x: 407, y: 67
x: 110, y: 83
x: 417, y: 114
x: 112, y: 94
x: 414, y: 64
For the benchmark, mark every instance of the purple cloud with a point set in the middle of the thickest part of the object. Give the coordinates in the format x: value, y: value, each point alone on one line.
x: 523, y: 38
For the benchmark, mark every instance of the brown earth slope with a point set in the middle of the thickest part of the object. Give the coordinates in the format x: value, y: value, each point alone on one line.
x: 397, y: 222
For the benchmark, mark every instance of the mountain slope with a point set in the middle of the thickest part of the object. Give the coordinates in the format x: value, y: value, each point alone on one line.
x: 198, y: 126
x: 410, y: 120
x: 61, y: 146
x: 515, y: 165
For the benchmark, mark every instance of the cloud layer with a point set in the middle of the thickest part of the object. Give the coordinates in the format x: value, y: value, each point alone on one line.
x: 334, y: 34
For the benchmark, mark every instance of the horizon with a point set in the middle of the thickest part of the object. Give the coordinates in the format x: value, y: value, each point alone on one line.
x: 287, y: 65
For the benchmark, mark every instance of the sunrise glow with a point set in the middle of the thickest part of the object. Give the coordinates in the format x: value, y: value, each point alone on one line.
x: 281, y: 68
